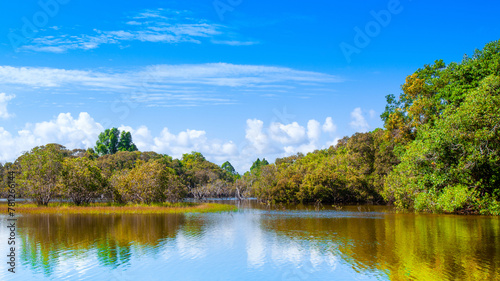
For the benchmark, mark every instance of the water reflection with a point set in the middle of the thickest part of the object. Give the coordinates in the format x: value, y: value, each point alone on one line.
x: 46, y: 239
x: 258, y: 243
x: 405, y: 246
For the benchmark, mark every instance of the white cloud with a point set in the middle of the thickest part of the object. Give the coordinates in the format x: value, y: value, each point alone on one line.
x: 66, y: 130
x: 329, y: 126
x: 233, y: 75
x: 4, y: 100
x: 255, y: 135
x: 287, y: 134
x: 358, y: 121
x: 234, y: 42
x: 277, y: 140
x: 70, y: 132
x: 285, y: 139
x: 313, y: 130
x: 184, y: 142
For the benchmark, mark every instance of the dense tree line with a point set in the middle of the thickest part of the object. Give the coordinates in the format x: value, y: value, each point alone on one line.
x: 447, y: 122
x: 439, y: 150
x: 52, y: 172
x: 350, y: 172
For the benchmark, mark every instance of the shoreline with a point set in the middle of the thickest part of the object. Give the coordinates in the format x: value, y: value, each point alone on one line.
x: 106, y: 208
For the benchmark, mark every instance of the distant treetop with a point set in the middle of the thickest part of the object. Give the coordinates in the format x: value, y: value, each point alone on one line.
x: 111, y: 141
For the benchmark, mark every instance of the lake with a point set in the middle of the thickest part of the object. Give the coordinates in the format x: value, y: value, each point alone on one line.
x: 256, y: 243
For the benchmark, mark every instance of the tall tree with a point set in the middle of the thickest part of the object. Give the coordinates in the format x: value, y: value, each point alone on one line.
x: 257, y: 166
x: 40, y: 172
x: 226, y: 166
x: 230, y: 170
x: 111, y: 141
x: 125, y: 143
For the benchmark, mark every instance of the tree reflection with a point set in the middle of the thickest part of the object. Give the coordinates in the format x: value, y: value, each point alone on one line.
x: 47, y: 239
x: 403, y: 246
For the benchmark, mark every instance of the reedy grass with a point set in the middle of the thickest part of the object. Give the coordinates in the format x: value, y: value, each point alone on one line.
x: 113, y: 208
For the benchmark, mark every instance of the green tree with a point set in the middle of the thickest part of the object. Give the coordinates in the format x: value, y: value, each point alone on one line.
x: 430, y: 90
x: 82, y: 180
x: 232, y: 175
x: 226, y: 166
x: 148, y: 182
x: 257, y: 166
x: 111, y: 141
x: 3, y: 181
x: 199, y: 171
x: 41, y: 169
x: 125, y: 143
x: 455, y: 165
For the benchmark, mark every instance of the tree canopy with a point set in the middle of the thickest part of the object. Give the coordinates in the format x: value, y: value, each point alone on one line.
x: 447, y: 122
x: 112, y: 140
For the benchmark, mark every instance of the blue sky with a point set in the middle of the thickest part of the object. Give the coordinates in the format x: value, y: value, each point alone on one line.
x: 233, y: 79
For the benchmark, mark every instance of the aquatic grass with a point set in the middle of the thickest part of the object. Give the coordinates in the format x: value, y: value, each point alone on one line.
x: 113, y: 208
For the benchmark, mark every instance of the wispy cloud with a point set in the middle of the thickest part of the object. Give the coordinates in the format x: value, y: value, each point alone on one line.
x: 234, y: 42
x: 157, y: 26
x: 190, y: 84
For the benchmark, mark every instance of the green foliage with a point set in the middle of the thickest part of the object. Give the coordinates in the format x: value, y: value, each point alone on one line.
x: 432, y: 89
x: 446, y: 127
x: 147, y: 183
x: 351, y: 172
x: 199, y: 171
x: 111, y: 141
x: 4, y: 170
x: 226, y: 166
x: 230, y: 171
x: 41, y: 170
x: 454, y: 164
x: 125, y: 143
x: 257, y: 166
x: 82, y: 180
x: 82, y: 176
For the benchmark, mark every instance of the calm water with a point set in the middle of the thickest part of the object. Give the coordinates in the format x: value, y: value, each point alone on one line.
x: 356, y: 243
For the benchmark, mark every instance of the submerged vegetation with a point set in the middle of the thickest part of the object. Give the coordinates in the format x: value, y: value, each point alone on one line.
x: 439, y: 152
